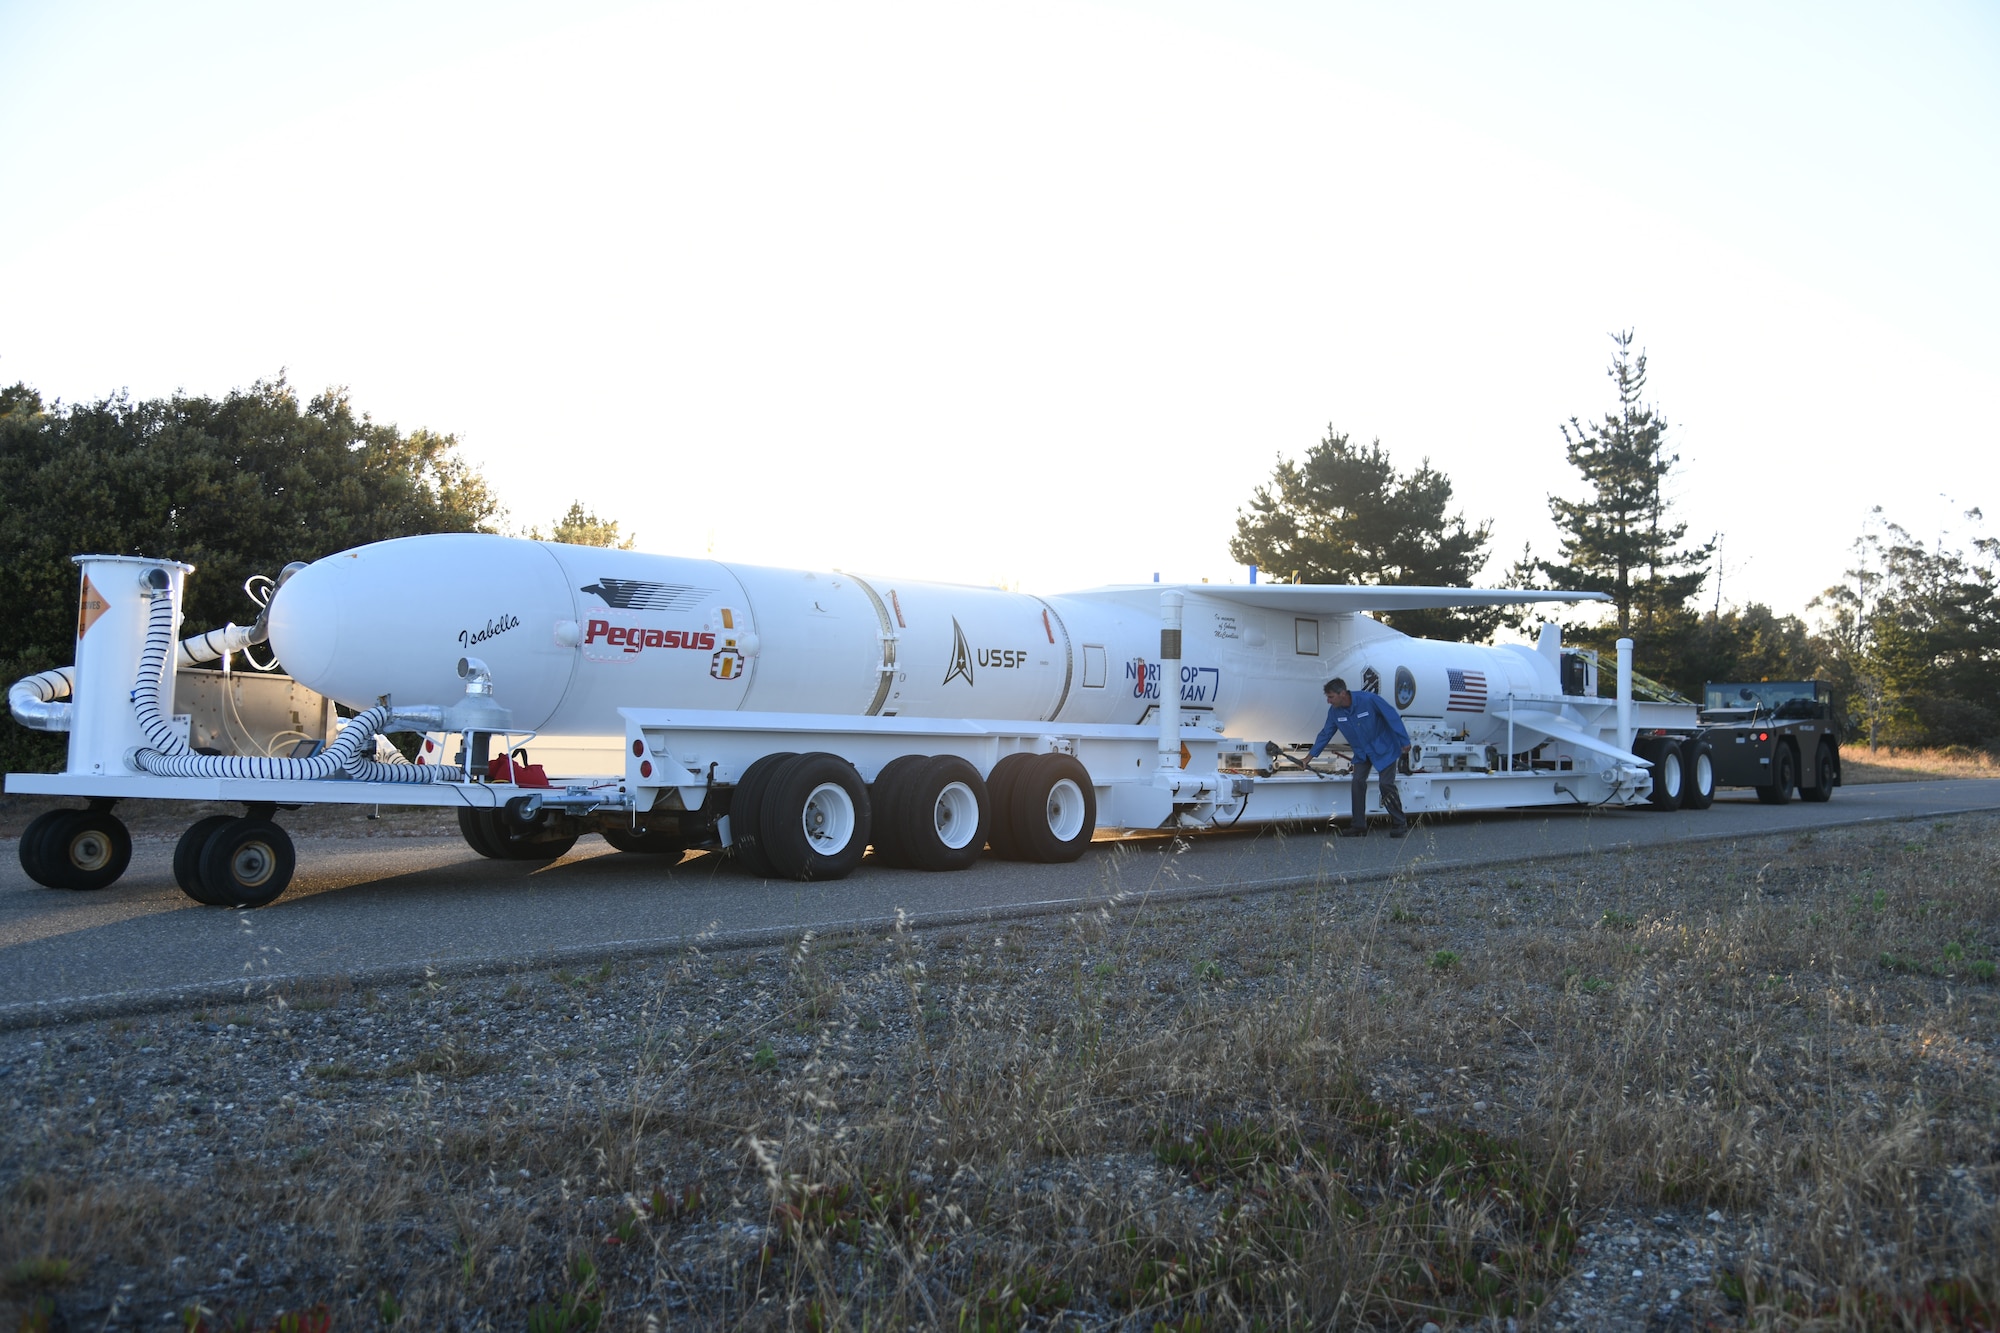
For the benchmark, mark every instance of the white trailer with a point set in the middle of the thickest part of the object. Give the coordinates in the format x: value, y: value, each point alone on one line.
x: 805, y: 794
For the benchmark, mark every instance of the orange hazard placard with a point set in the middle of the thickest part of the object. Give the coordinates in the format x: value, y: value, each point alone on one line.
x: 89, y: 606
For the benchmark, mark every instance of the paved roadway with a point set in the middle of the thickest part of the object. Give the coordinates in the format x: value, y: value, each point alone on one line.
x: 377, y: 909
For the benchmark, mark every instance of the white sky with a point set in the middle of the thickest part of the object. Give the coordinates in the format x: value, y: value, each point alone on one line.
x: 1036, y: 292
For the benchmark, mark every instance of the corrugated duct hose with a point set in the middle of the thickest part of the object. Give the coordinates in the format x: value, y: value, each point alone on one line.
x: 169, y: 756
x: 40, y: 702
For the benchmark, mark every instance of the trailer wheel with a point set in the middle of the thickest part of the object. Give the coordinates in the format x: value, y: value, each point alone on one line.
x: 885, y: 799
x: 187, y: 855
x: 79, y: 849
x: 945, y: 813
x: 472, y: 827
x: 746, y: 811
x: 1669, y: 777
x: 1000, y: 833
x: 816, y: 818
x: 1783, y: 778
x: 650, y: 842
x: 1054, y: 808
x: 1822, y: 788
x: 512, y: 841
x: 246, y: 863
x: 1698, y: 774
x: 34, y: 840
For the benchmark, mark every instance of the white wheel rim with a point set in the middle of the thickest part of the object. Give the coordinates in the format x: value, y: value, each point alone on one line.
x: 1065, y: 810
x: 828, y: 819
x: 252, y: 864
x: 1704, y: 775
x: 1670, y: 774
x: 90, y: 850
x: 956, y: 815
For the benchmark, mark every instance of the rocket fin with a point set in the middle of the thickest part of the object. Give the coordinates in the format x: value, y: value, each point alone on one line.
x: 1556, y: 728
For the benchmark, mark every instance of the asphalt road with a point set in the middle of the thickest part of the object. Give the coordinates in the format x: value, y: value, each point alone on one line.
x: 375, y: 909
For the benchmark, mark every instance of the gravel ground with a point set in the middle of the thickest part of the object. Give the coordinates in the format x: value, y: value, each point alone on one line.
x: 359, y: 1141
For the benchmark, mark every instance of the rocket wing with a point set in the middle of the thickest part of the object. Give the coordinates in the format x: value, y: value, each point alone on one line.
x: 1333, y: 598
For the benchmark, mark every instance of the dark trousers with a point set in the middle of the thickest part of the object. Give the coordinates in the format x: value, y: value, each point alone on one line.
x: 1392, y: 800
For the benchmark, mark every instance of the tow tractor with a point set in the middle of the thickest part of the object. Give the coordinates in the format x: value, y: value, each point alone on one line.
x: 1778, y: 736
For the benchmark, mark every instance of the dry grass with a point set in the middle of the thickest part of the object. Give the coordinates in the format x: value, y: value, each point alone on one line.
x: 1859, y: 764
x: 1369, y: 1105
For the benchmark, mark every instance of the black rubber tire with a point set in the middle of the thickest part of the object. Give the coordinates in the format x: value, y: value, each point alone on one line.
x: 746, y: 813
x: 246, y: 863
x: 1042, y: 800
x: 647, y: 842
x: 85, y: 851
x: 187, y: 855
x: 885, y: 798
x: 1000, y: 805
x: 1697, y: 774
x: 1669, y: 778
x: 544, y: 841
x: 801, y: 822
x: 937, y: 793
x: 472, y: 827
x: 1783, y: 778
x: 35, y: 841
x: 1823, y: 770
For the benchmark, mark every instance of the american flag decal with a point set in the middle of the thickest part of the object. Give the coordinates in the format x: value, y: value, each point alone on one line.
x: 1468, y: 692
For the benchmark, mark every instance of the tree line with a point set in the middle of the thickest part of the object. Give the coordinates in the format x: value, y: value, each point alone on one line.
x: 243, y: 484
x: 236, y: 486
x: 1909, y: 638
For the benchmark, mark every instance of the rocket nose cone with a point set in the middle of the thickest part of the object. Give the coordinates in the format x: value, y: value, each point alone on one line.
x: 305, y: 623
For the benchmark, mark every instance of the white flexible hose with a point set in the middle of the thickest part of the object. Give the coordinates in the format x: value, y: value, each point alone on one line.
x: 34, y: 700
x: 169, y: 756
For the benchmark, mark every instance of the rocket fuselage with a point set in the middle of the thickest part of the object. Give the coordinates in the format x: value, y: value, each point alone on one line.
x: 573, y: 633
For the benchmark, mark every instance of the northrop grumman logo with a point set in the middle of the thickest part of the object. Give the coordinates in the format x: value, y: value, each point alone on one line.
x: 961, y: 655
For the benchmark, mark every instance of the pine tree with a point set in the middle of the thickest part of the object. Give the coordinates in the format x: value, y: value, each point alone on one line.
x: 1617, y: 539
x: 1344, y: 514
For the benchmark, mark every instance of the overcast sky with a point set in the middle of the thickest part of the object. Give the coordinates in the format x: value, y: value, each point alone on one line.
x: 1034, y: 292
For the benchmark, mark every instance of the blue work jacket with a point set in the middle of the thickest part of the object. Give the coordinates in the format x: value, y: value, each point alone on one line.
x: 1373, y: 729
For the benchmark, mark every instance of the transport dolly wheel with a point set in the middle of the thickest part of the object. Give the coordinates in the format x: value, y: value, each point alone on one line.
x: 1000, y: 803
x: 1055, y: 809
x: 1698, y: 774
x: 1669, y: 774
x: 187, y: 856
x: 76, y: 849
x: 815, y: 818
x: 885, y: 797
x: 944, y: 814
x: 746, y: 814
x: 647, y: 841
x: 33, y: 839
x: 246, y: 863
x: 472, y: 827
x: 515, y: 839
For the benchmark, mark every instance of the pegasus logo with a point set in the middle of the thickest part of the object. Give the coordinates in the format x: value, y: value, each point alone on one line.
x: 961, y: 656
x: 641, y: 595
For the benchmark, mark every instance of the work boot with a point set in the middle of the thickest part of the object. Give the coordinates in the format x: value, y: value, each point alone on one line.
x: 1400, y: 831
x: 1352, y: 832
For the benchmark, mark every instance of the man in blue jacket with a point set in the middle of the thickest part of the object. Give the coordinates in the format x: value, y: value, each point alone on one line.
x: 1375, y: 732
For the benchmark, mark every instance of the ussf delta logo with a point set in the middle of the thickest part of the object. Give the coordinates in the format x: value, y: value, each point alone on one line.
x: 962, y: 657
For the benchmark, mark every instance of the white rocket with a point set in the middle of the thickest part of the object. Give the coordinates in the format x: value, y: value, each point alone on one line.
x: 572, y: 634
